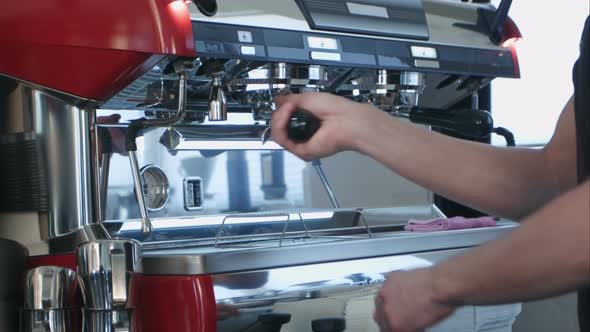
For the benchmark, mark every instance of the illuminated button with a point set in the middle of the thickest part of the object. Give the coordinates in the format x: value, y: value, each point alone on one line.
x: 322, y: 43
x: 245, y: 36
x: 427, y: 64
x: 424, y: 52
x: 325, y: 56
x: 248, y: 50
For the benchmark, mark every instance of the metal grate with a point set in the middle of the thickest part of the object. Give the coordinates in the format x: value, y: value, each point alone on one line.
x: 327, y: 6
x: 220, y: 241
x: 23, y: 183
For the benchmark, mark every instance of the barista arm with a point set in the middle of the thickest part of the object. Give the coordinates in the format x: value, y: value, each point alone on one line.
x: 548, y: 255
x: 508, y: 182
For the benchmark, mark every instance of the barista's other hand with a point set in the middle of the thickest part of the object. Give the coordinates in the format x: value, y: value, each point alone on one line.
x: 410, y: 302
x: 343, y: 123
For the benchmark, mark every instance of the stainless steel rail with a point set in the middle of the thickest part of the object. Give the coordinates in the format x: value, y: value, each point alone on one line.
x: 302, y: 251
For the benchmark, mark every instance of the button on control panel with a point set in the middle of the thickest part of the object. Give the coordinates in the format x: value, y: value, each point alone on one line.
x: 424, y: 52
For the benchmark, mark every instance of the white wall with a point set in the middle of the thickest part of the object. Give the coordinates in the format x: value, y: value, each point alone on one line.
x: 530, y: 107
x: 550, y: 46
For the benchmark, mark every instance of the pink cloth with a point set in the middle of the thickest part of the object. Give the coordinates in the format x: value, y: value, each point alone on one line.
x: 449, y: 224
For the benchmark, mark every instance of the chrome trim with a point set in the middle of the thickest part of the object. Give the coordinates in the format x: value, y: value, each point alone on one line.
x: 107, y: 321
x: 280, y: 71
x: 50, y: 287
x: 69, y: 242
x: 215, y: 137
x: 105, y: 269
x: 182, y: 68
x: 212, y: 261
x: 72, y: 99
x: 103, y: 183
x: 342, y: 290
x: 146, y: 224
x: 65, y: 135
x: 50, y: 300
x: 48, y: 320
x: 217, y: 102
x: 296, y: 283
x: 199, y: 232
x: 411, y: 86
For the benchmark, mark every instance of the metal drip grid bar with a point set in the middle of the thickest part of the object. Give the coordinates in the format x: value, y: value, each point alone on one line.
x: 285, y: 234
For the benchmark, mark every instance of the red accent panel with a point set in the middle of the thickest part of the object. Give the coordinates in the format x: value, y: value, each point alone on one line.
x: 90, y: 48
x: 174, y: 303
x: 511, y: 31
x: 66, y: 260
x: 515, y: 61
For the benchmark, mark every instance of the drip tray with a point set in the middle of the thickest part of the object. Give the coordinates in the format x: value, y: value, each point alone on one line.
x: 269, y: 253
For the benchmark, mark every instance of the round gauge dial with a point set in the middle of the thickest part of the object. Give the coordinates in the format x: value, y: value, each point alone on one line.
x: 155, y: 187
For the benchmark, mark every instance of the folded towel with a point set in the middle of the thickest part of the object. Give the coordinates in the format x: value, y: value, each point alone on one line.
x: 448, y: 224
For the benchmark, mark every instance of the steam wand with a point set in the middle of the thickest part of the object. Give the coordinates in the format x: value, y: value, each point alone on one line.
x: 180, y: 67
x: 301, y: 127
x: 317, y: 164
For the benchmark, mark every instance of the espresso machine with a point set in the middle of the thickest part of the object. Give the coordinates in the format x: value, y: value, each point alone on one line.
x: 139, y: 173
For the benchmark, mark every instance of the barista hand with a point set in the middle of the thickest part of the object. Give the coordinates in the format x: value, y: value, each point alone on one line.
x: 409, y: 302
x: 343, y: 123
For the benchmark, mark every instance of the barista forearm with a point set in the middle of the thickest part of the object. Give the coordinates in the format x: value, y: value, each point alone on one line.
x: 547, y: 256
x: 505, y: 182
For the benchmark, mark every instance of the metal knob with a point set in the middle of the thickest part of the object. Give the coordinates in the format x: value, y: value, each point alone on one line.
x: 411, y: 85
x: 217, y: 102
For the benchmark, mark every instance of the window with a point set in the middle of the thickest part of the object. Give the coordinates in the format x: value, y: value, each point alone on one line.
x: 530, y: 106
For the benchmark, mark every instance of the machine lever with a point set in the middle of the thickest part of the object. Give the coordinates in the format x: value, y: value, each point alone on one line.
x: 496, y: 20
x: 466, y: 122
x: 336, y: 324
x: 302, y: 125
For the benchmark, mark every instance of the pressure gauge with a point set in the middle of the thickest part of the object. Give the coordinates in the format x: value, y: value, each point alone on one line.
x: 155, y: 187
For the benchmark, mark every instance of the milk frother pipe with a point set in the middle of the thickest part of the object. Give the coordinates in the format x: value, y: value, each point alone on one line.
x: 318, y: 167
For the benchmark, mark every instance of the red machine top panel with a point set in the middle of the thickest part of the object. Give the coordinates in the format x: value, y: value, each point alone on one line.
x: 89, y: 48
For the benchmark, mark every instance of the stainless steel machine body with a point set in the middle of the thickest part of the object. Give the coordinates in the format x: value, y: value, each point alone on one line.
x: 179, y: 163
x: 50, y: 300
x: 105, y: 270
x: 52, y: 138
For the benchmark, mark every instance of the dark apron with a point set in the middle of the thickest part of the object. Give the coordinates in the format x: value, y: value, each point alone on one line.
x: 582, y: 109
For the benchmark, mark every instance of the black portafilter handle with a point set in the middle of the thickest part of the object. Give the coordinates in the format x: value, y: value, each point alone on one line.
x: 466, y: 122
x: 302, y: 125
x: 336, y: 324
x: 269, y: 322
